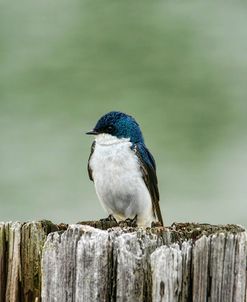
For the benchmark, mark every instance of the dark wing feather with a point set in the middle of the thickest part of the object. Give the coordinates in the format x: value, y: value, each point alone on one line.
x: 148, y: 169
x: 90, y: 172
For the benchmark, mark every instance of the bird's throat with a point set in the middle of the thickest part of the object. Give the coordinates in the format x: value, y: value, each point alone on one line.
x: 108, y: 139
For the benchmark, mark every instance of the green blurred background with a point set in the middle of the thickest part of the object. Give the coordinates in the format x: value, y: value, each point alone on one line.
x: 180, y: 68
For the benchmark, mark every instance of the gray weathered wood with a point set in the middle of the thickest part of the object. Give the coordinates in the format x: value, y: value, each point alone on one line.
x: 166, y: 263
x: 185, y: 262
x: 96, y: 247
x: 81, y: 266
x: 20, y: 257
x: 14, y: 261
x: 200, y: 254
x: 171, y: 272
x: 131, y: 258
x: 2, y: 262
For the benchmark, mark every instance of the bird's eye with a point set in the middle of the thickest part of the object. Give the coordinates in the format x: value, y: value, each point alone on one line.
x: 109, y: 129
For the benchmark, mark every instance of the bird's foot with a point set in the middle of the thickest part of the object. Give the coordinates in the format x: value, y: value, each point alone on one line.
x: 110, y: 218
x: 128, y: 222
x: 156, y: 224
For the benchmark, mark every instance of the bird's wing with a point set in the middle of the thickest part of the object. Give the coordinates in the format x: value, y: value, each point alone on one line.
x: 148, y: 169
x: 90, y: 172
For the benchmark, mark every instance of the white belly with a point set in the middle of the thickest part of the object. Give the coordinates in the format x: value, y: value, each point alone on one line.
x: 118, y: 180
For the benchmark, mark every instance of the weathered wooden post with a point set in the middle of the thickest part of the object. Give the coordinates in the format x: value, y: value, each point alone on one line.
x: 20, y: 259
x: 185, y: 262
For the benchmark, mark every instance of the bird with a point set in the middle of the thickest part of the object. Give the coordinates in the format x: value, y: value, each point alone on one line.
x: 124, y: 171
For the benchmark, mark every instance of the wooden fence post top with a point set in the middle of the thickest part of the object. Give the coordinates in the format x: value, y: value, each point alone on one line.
x: 100, y: 261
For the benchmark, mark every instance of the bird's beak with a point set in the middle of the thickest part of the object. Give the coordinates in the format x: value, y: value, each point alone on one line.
x: 92, y: 132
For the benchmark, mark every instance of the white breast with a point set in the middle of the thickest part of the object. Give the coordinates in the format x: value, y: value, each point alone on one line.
x: 118, y: 180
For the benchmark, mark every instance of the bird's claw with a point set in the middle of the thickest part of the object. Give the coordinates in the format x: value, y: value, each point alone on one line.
x: 156, y: 224
x: 128, y: 222
x: 110, y: 218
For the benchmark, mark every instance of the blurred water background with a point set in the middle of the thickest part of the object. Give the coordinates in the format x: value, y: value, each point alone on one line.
x: 180, y: 68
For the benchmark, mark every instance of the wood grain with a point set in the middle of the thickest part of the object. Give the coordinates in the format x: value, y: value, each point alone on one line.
x: 101, y: 261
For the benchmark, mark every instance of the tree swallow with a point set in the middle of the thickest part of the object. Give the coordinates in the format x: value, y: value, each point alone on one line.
x: 123, y: 170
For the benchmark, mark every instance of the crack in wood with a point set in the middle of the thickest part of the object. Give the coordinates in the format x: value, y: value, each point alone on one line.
x: 100, y: 261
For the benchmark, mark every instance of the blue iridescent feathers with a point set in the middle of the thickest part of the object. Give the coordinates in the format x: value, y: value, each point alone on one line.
x: 120, y: 125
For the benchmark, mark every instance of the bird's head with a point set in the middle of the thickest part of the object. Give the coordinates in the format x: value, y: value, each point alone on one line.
x: 120, y: 125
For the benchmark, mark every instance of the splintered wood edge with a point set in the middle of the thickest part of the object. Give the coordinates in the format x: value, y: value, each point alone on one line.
x: 180, y: 231
x: 143, y: 264
x: 186, y: 235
